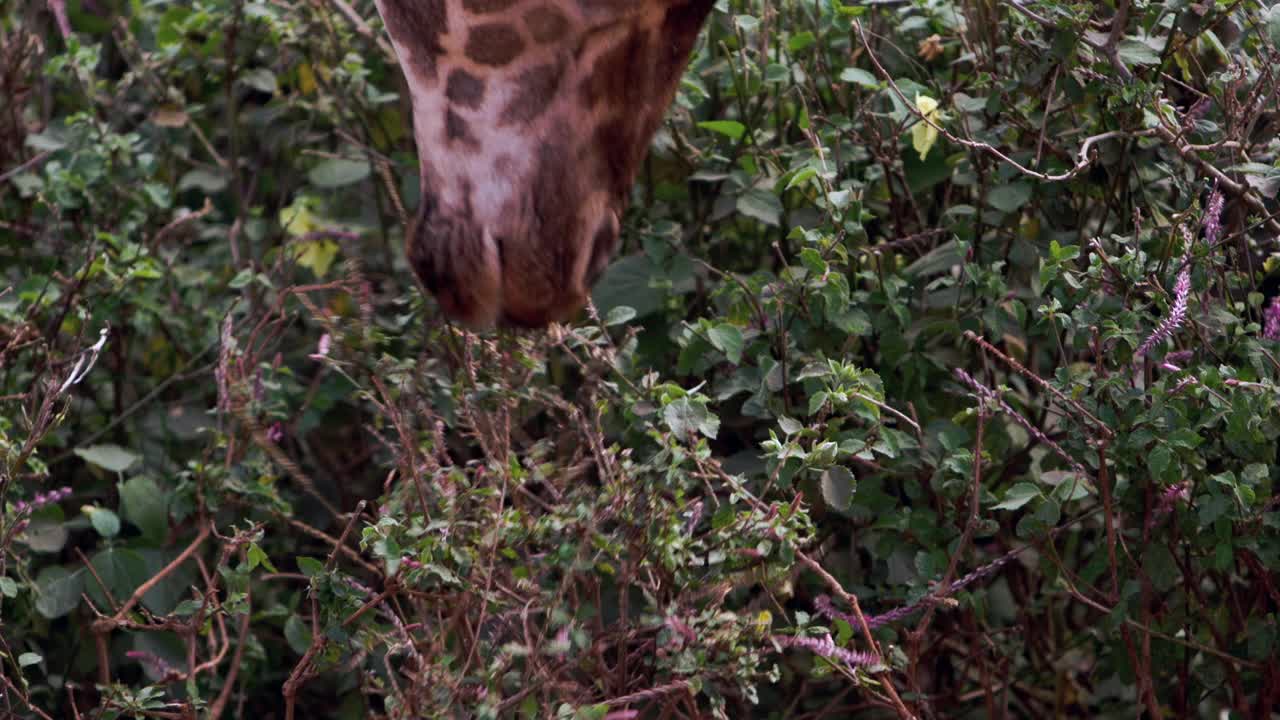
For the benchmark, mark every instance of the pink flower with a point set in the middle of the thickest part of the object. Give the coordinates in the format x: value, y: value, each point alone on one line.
x: 1271, y: 320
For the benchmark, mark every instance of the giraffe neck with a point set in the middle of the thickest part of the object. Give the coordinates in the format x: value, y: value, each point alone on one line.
x: 531, y: 119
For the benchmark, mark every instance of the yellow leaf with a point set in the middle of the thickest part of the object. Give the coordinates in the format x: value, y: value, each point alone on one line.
x: 924, y: 135
x: 316, y: 255
x: 306, y: 79
x: 300, y: 218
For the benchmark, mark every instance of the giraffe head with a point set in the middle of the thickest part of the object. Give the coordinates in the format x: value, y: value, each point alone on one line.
x: 531, y: 119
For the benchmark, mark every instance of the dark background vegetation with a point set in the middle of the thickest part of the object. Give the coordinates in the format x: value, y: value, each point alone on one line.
x: 858, y: 426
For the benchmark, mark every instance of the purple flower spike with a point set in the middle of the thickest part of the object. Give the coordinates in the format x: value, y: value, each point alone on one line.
x: 1177, y: 314
x: 1271, y: 320
x: 1213, y: 218
x: 827, y: 648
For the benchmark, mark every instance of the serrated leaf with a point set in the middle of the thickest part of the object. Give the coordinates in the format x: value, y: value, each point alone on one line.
x: 257, y: 556
x: 1136, y: 52
x: 338, y: 172
x: 112, y: 458
x: 1271, y: 19
x: 761, y: 205
x: 684, y: 417
x: 789, y: 426
x: 838, y: 485
x: 727, y: 339
x: 629, y: 282
x: 261, y: 79
x: 1158, y: 461
x: 620, y: 315
x: 1017, y: 496
x: 817, y: 400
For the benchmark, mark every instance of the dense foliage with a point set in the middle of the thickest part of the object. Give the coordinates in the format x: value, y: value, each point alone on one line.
x: 937, y: 378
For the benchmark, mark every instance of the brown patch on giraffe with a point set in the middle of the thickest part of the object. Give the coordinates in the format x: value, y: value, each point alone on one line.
x: 463, y: 88
x: 494, y: 44
x: 636, y: 81
x: 618, y: 72
x: 456, y: 129
x: 536, y: 87
x: 416, y: 25
x: 487, y: 6
x: 546, y: 24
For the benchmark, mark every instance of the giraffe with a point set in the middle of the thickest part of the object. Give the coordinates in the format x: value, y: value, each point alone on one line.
x: 531, y: 119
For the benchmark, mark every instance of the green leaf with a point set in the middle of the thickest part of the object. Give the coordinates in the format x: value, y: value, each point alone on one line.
x: 1136, y: 52
x: 800, y: 41
x: 684, y: 417
x: 261, y: 79
x: 310, y: 566
x: 858, y: 76
x: 817, y: 401
x: 1158, y: 461
x: 761, y: 205
x: 1271, y: 19
x: 1010, y: 197
x: 167, y: 594
x: 112, y: 458
x: 837, y: 487
x: 629, y: 281
x: 1159, y: 565
x: 297, y: 632
x: 1185, y: 438
x: 1017, y: 496
x: 201, y: 179
x: 257, y: 556
x: 106, y: 522
x: 727, y: 339
x: 46, y: 536
x: 338, y: 172
x: 121, y: 570
x: 620, y: 315
x: 729, y: 128
x: 58, y: 591
x: 144, y: 504
x: 8, y: 587
x: 28, y: 659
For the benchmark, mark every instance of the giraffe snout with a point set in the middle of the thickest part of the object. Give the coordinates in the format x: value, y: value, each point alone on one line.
x: 526, y: 275
x: 459, y: 263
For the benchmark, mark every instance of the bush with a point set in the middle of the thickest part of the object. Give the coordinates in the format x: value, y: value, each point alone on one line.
x: 937, y: 378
